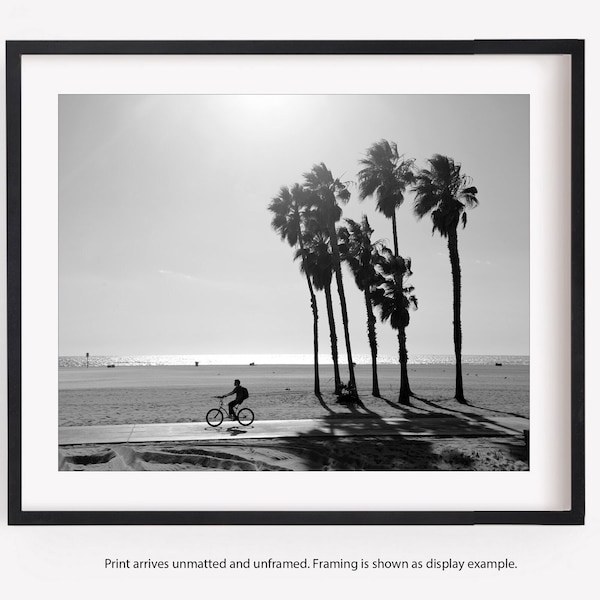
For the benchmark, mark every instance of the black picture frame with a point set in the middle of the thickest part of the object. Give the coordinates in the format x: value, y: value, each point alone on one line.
x: 16, y: 50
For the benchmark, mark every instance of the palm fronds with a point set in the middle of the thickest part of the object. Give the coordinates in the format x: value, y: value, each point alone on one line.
x: 320, y: 181
x: 443, y: 192
x: 394, y: 298
x: 385, y: 176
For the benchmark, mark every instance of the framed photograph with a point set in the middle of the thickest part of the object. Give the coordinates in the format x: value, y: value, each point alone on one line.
x: 313, y: 282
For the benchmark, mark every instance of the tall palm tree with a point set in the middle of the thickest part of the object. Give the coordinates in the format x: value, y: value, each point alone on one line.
x: 444, y: 192
x: 317, y: 262
x: 394, y: 299
x: 362, y: 255
x: 385, y: 176
x: 291, y: 209
x: 330, y: 191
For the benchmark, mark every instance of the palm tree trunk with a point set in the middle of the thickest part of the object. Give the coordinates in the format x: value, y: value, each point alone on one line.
x: 333, y: 338
x: 372, y: 340
x: 313, y: 303
x: 456, y: 289
x: 340, y: 288
x: 404, y: 355
x: 315, y: 312
x: 404, y: 397
x: 395, y: 234
x: 405, y: 391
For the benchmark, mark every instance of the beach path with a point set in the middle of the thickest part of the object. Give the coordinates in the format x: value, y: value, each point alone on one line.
x: 435, y: 425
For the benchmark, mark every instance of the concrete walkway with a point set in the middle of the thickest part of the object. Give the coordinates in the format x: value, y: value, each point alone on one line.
x: 416, y: 426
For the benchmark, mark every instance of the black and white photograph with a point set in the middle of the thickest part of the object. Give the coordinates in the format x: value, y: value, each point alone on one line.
x: 295, y: 300
x: 287, y: 282
x: 348, y: 297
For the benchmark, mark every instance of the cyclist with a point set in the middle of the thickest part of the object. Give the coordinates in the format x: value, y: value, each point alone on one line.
x: 241, y: 393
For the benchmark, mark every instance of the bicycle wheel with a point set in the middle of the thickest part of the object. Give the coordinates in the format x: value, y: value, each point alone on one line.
x: 214, y: 417
x: 245, y: 416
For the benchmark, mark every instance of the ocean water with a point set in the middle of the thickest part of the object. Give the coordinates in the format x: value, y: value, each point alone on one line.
x: 150, y: 360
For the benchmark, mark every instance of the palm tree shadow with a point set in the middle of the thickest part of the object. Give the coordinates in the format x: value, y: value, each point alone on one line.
x: 371, y: 444
x: 393, y: 404
x: 323, y: 403
x: 469, y: 414
x: 354, y: 407
x: 370, y: 412
x: 500, y: 412
x: 401, y: 407
x: 438, y: 407
x: 351, y: 406
x: 375, y: 443
x: 478, y: 417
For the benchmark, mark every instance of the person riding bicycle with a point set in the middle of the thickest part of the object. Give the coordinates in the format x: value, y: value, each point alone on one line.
x: 241, y: 393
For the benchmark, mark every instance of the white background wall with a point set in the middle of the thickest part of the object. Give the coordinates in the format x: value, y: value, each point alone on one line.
x: 67, y: 562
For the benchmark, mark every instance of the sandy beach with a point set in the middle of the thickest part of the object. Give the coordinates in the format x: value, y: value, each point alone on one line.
x: 122, y: 395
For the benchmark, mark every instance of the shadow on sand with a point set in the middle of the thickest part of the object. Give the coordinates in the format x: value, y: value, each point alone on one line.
x: 360, y: 439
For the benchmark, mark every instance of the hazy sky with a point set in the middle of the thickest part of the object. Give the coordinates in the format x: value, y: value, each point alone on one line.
x: 165, y: 242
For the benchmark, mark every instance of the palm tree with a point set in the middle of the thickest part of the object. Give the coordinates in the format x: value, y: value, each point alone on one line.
x: 444, y: 192
x: 394, y: 299
x: 330, y: 191
x: 362, y: 256
x: 317, y: 262
x: 385, y: 176
x: 291, y: 209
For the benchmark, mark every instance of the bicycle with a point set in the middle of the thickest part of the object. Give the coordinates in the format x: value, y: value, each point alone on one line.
x: 215, y: 416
